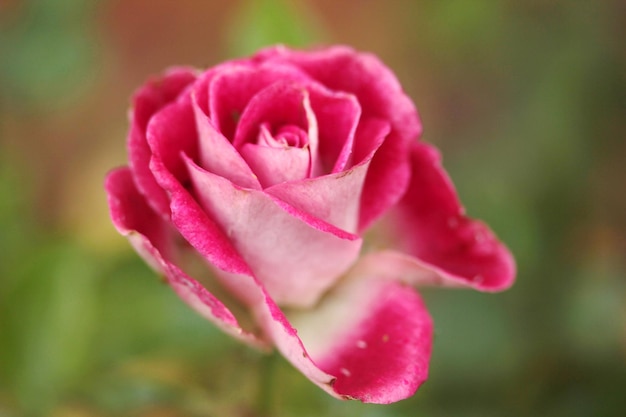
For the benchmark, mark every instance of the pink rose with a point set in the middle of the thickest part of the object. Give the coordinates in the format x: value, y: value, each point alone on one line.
x: 258, y: 179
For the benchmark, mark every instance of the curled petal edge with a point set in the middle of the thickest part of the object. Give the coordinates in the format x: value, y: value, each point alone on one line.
x: 126, y: 206
x: 373, y: 334
x: 415, y: 272
x: 462, y: 251
x: 148, y: 100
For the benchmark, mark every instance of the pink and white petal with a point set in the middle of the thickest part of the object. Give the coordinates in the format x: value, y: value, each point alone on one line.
x: 132, y: 215
x: 147, y: 101
x: 170, y: 134
x: 276, y: 165
x: 388, y: 172
x: 196, y: 227
x: 380, y: 95
x: 153, y: 239
x: 202, y: 87
x: 332, y: 198
x: 233, y: 87
x: 295, y: 256
x: 313, y: 143
x: 337, y: 115
x: 429, y: 223
x: 217, y: 154
x: 284, y: 336
x: 200, y: 91
x: 410, y: 270
x: 341, y: 68
x: 280, y: 104
x: 373, y: 335
x: 386, y: 182
x: 336, y: 198
x: 210, y: 307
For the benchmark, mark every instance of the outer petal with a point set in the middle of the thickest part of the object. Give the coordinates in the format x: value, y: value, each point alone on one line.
x: 373, y: 335
x: 147, y: 101
x: 297, y: 257
x: 369, y: 339
x: 154, y: 241
x: 386, y: 181
x: 171, y: 133
x: 429, y: 223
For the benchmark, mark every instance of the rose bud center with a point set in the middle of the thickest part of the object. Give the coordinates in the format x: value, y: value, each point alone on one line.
x: 289, y: 136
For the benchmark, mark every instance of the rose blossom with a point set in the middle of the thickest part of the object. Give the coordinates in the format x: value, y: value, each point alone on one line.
x: 251, y: 186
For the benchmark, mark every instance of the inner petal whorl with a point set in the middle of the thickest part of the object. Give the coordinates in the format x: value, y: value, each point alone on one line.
x: 285, y: 137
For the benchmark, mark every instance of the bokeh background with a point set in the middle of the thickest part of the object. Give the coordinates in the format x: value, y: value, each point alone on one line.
x: 526, y: 99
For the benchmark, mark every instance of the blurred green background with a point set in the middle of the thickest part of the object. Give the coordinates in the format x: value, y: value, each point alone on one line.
x: 526, y: 99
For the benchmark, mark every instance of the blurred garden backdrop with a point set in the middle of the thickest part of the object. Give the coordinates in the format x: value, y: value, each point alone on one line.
x: 526, y: 100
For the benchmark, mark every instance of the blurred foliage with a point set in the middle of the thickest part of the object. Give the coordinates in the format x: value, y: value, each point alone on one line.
x: 526, y: 100
x: 266, y: 22
x: 47, y: 50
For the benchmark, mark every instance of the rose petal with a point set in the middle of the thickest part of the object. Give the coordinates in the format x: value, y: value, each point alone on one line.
x: 335, y: 198
x: 217, y: 154
x: 277, y: 165
x: 386, y: 181
x: 220, y: 96
x: 154, y: 241
x: 380, y: 95
x: 170, y: 133
x: 462, y: 251
x: 232, y: 88
x: 130, y: 212
x: 283, y: 104
x: 280, y: 104
x: 295, y: 256
x: 373, y: 335
x: 408, y: 269
x: 147, y: 101
x: 337, y: 116
x: 341, y: 68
